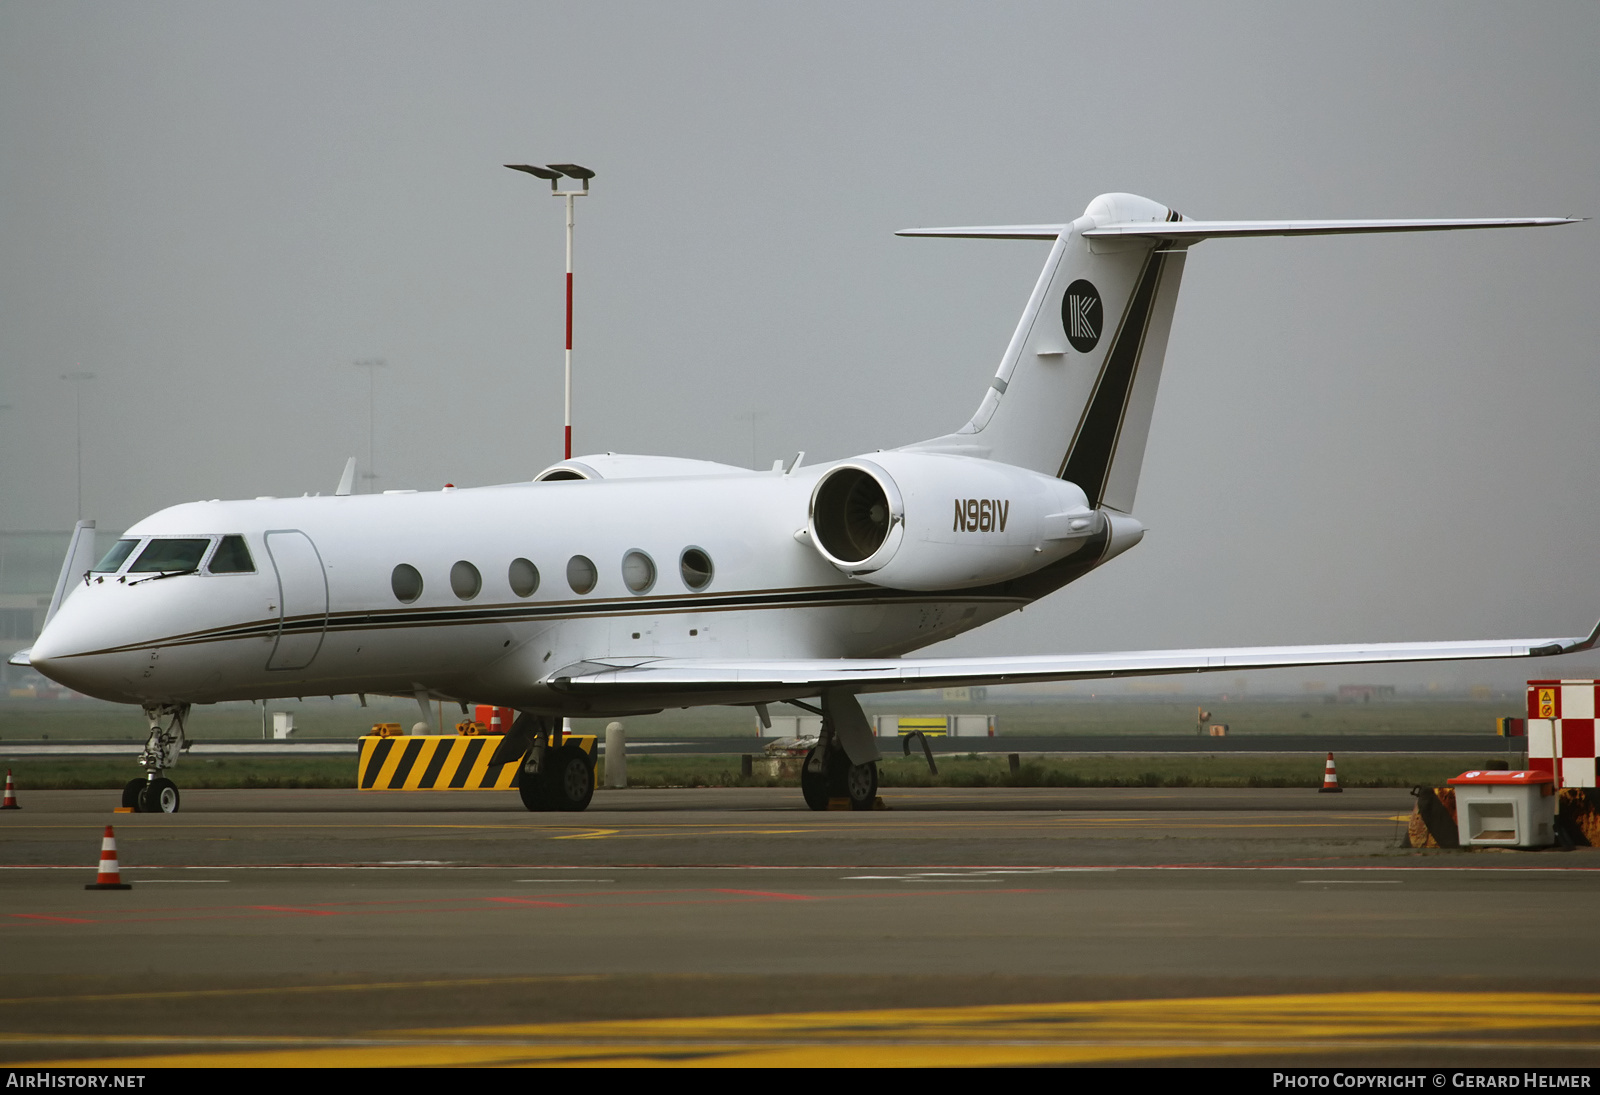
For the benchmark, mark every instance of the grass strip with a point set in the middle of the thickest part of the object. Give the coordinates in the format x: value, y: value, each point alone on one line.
x: 71, y: 773
x: 722, y: 770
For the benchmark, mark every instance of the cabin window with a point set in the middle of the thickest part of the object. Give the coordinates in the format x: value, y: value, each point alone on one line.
x: 170, y: 556
x: 116, y: 556
x: 524, y: 577
x: 406, y: 581
x: 581, y: 574
x: 695, y: 566
x: 465, y: 581
x: 232, y: 557
x: 638, y: 571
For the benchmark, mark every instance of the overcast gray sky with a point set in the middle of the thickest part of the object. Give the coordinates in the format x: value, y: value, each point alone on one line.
x: 217, y: 208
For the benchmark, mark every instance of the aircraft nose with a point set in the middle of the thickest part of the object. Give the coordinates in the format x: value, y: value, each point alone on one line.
x: 46, y: 653
x: 51, y: 655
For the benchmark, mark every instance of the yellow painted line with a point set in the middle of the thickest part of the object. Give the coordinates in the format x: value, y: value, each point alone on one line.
x: 593, y: 834
x: 305, y: 990
x: 1061, y: 1033
x: 644, y: 1056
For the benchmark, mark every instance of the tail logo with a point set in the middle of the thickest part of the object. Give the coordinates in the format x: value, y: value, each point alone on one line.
x: 1082, y: 316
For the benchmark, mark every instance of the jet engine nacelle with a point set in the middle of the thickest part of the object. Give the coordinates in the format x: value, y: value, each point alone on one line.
x: 916, y: 520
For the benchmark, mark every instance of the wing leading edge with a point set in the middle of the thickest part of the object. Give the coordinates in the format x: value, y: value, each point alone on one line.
x: 802, y: 677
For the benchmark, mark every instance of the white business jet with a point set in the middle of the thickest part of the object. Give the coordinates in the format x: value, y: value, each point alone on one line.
x: 614, y: 585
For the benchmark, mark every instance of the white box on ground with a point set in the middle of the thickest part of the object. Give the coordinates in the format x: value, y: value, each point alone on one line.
x: 282, y: 724
x: 1505, y: 809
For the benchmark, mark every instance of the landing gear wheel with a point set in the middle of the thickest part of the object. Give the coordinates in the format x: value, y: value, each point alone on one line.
x: 159, y: 796
x: 130, y: 794
x: 861, y: 783
x: 571, y: 780
x: 813, y: 785
x: 531, y: 787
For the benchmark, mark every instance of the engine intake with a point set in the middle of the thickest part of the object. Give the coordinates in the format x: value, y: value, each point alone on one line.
x: 926, y: 521
x: 852, y: 515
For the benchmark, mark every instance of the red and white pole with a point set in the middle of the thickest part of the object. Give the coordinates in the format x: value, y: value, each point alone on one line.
x: 568, y: 423
x: 554, y: 173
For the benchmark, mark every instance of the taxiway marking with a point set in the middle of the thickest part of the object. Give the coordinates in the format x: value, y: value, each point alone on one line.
x: 1052, y: 1033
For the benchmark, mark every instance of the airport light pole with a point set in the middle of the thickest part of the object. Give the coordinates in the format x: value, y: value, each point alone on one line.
x: 554, y: 173
x: 372, y: 365
x: 78, y: 377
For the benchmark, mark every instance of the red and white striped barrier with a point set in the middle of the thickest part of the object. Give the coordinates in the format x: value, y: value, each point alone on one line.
x: 1561, y: 730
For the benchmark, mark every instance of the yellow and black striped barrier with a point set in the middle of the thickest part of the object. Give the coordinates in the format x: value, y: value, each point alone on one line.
x: 441, y: 762
x: 929, y: 726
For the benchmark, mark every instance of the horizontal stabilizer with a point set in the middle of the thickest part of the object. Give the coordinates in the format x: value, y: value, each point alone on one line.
x: 1202, y: 230
x: 801, y: 677
x: 992, y: 232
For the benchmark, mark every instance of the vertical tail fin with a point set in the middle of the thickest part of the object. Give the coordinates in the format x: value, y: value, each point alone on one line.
x: 1076, y: 388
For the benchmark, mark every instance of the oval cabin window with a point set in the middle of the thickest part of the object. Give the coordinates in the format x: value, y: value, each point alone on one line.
x: 581, y: 574
x: 406, y: 581
x: 465, y: 581
x: 695, y: 566
x: 524, y: 577
x: 638, y: 571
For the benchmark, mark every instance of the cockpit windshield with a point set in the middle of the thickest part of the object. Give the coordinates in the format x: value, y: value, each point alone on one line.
x: 116, y: 556
x: 166, y: 556
x: 232, y: 557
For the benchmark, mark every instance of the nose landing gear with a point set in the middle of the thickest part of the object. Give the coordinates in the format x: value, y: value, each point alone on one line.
x: 155, y: 794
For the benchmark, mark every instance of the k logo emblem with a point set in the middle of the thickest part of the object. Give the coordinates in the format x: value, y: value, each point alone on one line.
x: 1082, y: 316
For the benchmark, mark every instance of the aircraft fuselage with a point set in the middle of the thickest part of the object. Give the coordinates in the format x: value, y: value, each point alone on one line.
x: 321, y: 612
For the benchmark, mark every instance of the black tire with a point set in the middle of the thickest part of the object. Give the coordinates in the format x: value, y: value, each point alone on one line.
x: 159, y: 796
x: 531, y: 787
x: 838, y: 774
x: 130, y: 794
x: 813, y: 785
x: 570, y: 782
x: 861, y: 785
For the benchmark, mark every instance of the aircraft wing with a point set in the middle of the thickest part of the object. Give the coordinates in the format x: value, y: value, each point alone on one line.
x: 800, y: 677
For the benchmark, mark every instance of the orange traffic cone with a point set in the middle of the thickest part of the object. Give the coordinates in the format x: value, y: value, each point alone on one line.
x: 1330, y: 779
x: 11, y: 795
x: 110, y: 876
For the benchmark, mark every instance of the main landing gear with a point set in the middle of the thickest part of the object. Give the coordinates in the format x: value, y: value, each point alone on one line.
x: 154, y: 793
x: 828, y: 774
x: 554, y: 776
